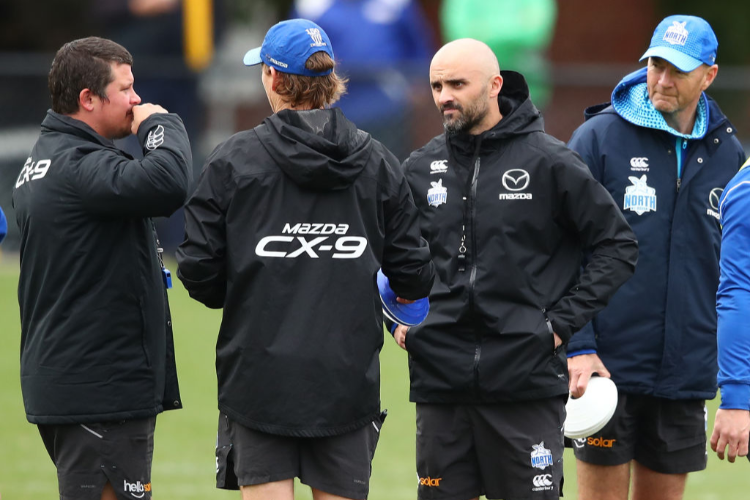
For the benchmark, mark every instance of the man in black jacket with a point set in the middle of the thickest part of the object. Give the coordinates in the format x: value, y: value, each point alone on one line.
x: 508, y: 212
x: 97, y: 359
x: 286, y: 231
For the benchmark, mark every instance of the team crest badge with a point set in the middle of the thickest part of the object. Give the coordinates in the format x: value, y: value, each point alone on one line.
x: 437, y: 195
x: 676, y: 34
x: 639, y: 197
x: 541, y: 457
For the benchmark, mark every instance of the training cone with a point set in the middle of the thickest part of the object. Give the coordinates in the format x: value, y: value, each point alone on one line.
x: 589, y: 413
x: 403, y: 314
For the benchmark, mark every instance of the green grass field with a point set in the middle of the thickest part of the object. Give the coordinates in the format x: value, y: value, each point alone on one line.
x: 184, y: 461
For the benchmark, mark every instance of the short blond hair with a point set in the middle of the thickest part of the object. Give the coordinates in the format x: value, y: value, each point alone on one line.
x: 314, y: 91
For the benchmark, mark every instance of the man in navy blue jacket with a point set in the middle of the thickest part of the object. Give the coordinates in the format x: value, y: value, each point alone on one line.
x: 664, y: 151
x: 732, y: 424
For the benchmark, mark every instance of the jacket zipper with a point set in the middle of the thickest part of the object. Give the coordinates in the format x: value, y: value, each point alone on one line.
x: 473, y: 275
x: 680, y: 145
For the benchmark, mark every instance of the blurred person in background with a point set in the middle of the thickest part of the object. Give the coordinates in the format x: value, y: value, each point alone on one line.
x: 381, y: 45
x: 161, y: 35
x: 664, y: 150
x: 519, y: 34
x: 97, y: 357
x: 286, y: 230
x: 732, y: 425
x: 507, y: 211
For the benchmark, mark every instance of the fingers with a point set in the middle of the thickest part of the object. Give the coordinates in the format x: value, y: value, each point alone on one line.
x: 744, y: 445
x: 602, y: 371
x: 399, y: 335
x: 715, y: 438
x: 581, y: 384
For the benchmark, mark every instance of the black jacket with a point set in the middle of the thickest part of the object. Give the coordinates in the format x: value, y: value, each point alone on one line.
x: 286, y: 231
x: 532, y: 208
x: 96, y: 340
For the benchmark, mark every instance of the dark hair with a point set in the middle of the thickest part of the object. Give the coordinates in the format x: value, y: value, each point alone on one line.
x: 83, y: 64
x: 315, y: 91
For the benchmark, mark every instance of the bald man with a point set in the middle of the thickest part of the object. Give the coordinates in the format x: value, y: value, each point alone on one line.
x: 508, y: 212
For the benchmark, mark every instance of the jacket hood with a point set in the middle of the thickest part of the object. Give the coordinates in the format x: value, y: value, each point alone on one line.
x: 318, y: 149
x: 520, y: 117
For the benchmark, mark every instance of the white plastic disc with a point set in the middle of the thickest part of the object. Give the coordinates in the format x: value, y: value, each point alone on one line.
x: 589, y: 413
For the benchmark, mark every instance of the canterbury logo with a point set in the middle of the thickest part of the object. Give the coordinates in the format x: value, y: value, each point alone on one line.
x: 438, y: 167
x: 639, y: 162
x: 543, y: 480
x: 428, y: 481
x: 155, y: 138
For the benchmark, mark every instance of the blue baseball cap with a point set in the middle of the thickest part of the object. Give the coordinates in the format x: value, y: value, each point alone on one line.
x: 685, y: 41
x: 403, y: 314
x: 288, y: 45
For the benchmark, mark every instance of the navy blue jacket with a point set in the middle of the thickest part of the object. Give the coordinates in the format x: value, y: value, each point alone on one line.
x: 657, y: 336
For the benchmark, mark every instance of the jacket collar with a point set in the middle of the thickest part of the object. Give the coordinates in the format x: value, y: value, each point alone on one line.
x: 68, y: 125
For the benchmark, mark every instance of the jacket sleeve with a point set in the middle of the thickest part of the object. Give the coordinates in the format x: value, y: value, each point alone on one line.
x: 733, y: 299
x: 592, y: 214
x: 582, y: 142
x: 112, y: 184
x: 406, y: 255
x: 201, y: 258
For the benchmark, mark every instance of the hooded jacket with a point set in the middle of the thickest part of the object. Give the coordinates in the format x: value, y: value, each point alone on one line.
x: 286, y: 231
x: 658, y: 334
x: 96, y: 335
x: 530, y: 208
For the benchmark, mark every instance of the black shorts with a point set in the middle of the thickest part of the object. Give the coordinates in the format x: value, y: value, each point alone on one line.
x: 510, y: 450
x: 339, y: 465
x: 88, y: 455
x: 667, y: 436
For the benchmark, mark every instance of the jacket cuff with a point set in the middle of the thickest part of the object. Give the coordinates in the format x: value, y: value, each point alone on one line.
x: 580, y: 352
x: 735, y: 397
x: 390, y: 325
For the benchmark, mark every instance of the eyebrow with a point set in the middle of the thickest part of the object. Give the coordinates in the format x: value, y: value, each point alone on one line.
x: 451, y: 81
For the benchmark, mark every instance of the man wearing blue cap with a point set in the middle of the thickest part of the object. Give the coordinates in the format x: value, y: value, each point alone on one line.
x: 286, y: 231
x: 665, y: 151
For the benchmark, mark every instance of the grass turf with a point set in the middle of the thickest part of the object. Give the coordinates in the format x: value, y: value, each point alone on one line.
x: 184, y: 463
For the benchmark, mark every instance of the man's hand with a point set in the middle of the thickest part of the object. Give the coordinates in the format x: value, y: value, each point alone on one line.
x: 143, y: 111
x: 580, y: 369
x: 399, y: 335
x: 731, y: 429
x: 558, y: 340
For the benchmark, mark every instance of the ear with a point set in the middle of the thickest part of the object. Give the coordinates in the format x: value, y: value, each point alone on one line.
x: 496, y: 84
x: 275, y: 78
x: 86, y: 100
x: 710, y: 76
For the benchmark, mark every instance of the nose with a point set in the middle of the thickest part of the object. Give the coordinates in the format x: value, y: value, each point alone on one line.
x: 444, y: 96
x: 665, y: 78
x: 135, y: 98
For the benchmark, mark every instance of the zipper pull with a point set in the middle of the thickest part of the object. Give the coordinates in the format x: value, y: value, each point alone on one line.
x: 679, y: 182
x: 462, y: 252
